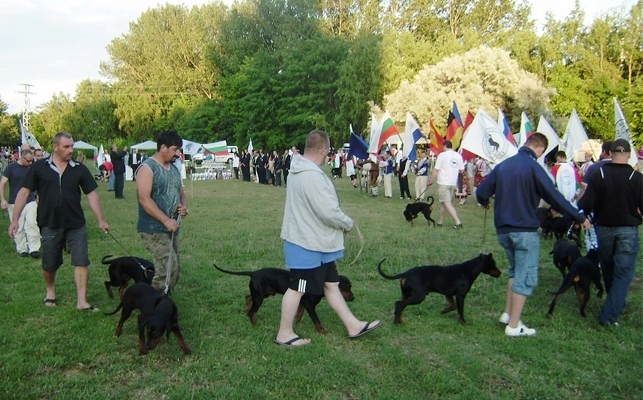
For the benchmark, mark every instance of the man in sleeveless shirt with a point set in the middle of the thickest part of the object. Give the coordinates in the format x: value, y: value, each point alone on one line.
x: 161, y: 200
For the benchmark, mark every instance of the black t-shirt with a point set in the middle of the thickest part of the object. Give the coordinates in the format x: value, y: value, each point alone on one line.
x: 16, y: 173
x: 59, y: 206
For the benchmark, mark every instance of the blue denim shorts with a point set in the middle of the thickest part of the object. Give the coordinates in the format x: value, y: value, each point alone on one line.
x: 523, y: 251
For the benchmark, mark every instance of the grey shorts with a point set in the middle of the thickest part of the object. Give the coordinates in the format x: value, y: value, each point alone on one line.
x: 53, y: 241
x: 312, y: 280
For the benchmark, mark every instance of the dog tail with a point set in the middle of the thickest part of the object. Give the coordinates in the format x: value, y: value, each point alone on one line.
x: 240, y: 273
x: 429, y: 198
x: 568, y: 281
x: 120, y: 305
x: 104, y: 260
x: 390, y: 277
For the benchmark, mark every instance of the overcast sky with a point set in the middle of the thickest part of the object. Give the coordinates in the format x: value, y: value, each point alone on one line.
x: 55, y: 44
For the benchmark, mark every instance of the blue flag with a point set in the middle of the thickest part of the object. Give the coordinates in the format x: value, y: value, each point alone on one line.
x: 456, y: 112
x: 359, y: 147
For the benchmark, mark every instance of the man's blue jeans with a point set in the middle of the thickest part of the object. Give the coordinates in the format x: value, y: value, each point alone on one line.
x: 617, y: 251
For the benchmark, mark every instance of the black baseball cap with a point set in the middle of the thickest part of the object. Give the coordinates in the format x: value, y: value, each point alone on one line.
x: 620, y: 146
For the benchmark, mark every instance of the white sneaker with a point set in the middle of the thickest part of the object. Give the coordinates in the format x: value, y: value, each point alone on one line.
x: 504, y: 318
x: 521, y: 330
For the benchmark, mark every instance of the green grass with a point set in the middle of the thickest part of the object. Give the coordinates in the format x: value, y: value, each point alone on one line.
x: 65, y: 354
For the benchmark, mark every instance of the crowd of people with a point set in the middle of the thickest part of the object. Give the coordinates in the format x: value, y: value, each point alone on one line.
x: 45, y: 210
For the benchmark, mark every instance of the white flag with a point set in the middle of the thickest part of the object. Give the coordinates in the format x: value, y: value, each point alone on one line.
x: 250, y: 148
x: 28, y: 138
x: 375, y: 135
x: 550, y: 133
x: 485, y: 139
x: 100, y: 158
x: 190, y: 147
x: 412, y: 133
x: 623, y: 130
x: 574, y: 136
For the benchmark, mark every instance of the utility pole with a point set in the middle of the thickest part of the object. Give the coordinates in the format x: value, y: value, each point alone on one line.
x: 27, y: 106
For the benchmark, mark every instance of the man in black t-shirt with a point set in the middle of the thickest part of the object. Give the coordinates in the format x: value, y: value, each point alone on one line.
x: 59, y: 181
x: 28, y: 236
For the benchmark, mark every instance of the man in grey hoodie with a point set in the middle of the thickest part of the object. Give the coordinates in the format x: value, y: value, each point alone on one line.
x: 313, y: 232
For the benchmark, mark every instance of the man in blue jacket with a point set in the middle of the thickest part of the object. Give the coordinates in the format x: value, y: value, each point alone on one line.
x: 519, y: 183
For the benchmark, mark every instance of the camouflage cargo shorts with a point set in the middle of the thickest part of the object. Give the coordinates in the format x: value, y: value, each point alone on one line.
x: 158, y: 244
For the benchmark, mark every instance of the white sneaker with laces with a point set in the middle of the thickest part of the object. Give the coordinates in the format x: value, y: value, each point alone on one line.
x: 520, y: 330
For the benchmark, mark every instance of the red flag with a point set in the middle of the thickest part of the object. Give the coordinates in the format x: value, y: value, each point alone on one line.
x: 454, y: 131
x: 436, y: 144
x: 469, y: 120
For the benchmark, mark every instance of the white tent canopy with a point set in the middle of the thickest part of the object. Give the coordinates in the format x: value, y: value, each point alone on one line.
x: 147, y: 145
x: 85, y: 146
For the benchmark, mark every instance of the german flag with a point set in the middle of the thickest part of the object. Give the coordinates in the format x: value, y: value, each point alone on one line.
x: 454, y: 131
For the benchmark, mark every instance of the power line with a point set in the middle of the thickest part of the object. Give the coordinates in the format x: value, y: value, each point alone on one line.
x: 27, y: 105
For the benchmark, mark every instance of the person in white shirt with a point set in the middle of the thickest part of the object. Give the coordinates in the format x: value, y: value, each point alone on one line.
x: 448, y: 166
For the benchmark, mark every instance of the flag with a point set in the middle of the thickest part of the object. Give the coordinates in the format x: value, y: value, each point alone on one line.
x: 550, y: 133
x: 388, y: 129
x: 505, y: 128
x: 456, y: 113
x: 359, y: 147
x: 412, y: 134
x: 623, y: 130
x: 375, y: 136
x: 469, y: 120
x: 485, y: 139
x: 190, y: 147
x: 454, y: 130
x: 574, y: 136
x: 100, y: 158
x: 218, y: 148
x: 436, y: 144
x: 526, y: 128
x: 250, y: 148
x: 28, y: 138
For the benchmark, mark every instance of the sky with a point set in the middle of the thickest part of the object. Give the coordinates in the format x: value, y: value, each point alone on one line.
x: 55, y: 44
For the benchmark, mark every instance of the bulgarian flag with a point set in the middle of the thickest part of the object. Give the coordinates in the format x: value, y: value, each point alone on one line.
x: 526, y: 128
x: 388, y: 129
x: 436, y: 144
x: 217, y: 148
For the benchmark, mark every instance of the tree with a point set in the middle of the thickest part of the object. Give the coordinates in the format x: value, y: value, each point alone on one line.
x: 9, y: 133
x: 480, y: 78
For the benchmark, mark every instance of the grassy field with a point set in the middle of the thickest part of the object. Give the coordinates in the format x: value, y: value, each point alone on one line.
x: 62, y: 353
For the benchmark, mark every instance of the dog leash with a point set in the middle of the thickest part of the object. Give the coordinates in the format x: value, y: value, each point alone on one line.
x: 128, y: 253
x: 484, y: 228
x: 361, y: 240
x: 166, y: 288
x: 421, y: 194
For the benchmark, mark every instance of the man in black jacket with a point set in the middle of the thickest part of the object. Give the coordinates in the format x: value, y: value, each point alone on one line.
x: 615, y: 194
x: 118, y: 159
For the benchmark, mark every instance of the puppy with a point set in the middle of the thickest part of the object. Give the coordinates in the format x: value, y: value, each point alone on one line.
x: 564, y: 255
x: 545, y: 215
x: 414, y: 209
x: 158, y: 316
x: 122, y: 269
x: 582, y: 273
x: 267, y: 282
x: 454, y: 280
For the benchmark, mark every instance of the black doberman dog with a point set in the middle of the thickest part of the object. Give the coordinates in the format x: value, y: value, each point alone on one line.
x: 545, y: 215
x: 566, y: 227
x: 582, y: 273
x: 122, y: 269
x: 158, y: 316
x: 414, y: 209
x: 454, y: 280
x: 565, y: 253
x: 268, y: 282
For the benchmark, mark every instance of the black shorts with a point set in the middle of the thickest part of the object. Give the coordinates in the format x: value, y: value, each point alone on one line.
x: 53, y: 241
x: 312, y: 280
